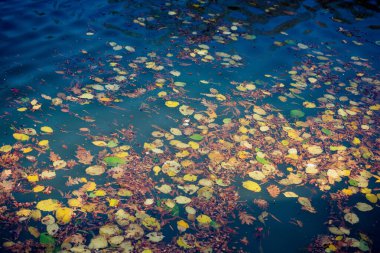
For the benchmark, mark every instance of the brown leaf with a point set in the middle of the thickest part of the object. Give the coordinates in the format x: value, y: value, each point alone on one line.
x: 246, y: 218
x: 273, y: 190
x: 84, y: 156
x: 54, y: 157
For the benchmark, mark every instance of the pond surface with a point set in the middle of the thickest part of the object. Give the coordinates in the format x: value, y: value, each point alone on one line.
x: 189, y: 126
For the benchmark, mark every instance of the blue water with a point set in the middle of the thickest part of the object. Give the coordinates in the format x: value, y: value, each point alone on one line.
x: 58, y: 49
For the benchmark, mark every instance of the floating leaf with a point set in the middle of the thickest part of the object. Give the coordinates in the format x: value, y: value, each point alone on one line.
x: 171, y: 104
x: 252, y: 186
x: 38, y: 188
x: 99, y: 143
x: 114, y: 161
x: 98, y: 242
x: 21, y: 137
x: 182, y: 200
x: 351, y: 218
x: 364, y: 207
x: 290, y: 195
x: 6, y: 148
x: 273, y: 191
x: 87, y: 96
x: 47, y: 239
x: 164, y: 188
x: 113, y: 202
x: 64, y: 215
x: 182, y: 225
x: 155, y: 236
x: 315, y: 150
x: 48, y: 205
x: 326, y: 131
x: 186, y: 110
x: 196, y: 137
x: 32, y: 178
x: 204, y: 219
x: 95, y: 170
x: 43, y: 143
x: 46, y: 129
x: 34, y: 231
x: 371, y: 198
x: 262, y: 160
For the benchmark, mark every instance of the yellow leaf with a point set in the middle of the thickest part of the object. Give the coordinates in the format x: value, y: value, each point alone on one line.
x: 32, y: 178
x: 204, y: 219
x: 36, y: 215
x: 220, y: 97
x: 43, y: 143
x: 294, y: 135
x: 99, y: 143
x: 365, y: 190
x: 171, y: 103
x: 190, y: 178
x: 356, y: 141
x: 22, y: 109
x: 292, y: 156
x: 34, y: 231
x: 74, y: 203
x: 243, y: 129
x: 375, y: 107
x: 347, y: 192
x: 193, y: 144
x: 113, y: 202
x: 20, y: 137
x: 88, y: 207
x: 105, y: 99
x: 285, y: 142
x: 64, y: 215
x: 90, y: 186
x: 182, y: 154
x: 27, y: 150
x: 100, y: 193
x: 48, y: 205
x: 121, y: 154
x: 252, y: 186
x: 162, y: 94
x: 24, y: 212
x: 38, y: 188
x: 309, y: 104
x: 332, y: 247
x: 6, y: 148
x: 124, y: 192
x: 46, y: 129
x: 156, y: 169
x: 87, y: 96
x: 371, y: 197
x: 182, y: 225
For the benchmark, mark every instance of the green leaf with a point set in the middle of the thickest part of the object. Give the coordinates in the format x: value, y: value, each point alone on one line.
x: 112, y: 144
x: 114, y: 160
x: 353, y: 182
x: 262, y: 160
x: 363, y: 246
x: 175, y: 211
x: 297, y: 113
x: 214, y: 224
x: 46, y: 239
x: 326, y: 131
x: 196, y: 137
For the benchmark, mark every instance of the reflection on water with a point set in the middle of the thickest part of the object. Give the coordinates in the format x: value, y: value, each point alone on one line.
x: 200, y: 126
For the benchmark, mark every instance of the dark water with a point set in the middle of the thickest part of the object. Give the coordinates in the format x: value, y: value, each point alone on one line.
x: 64, y: 65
